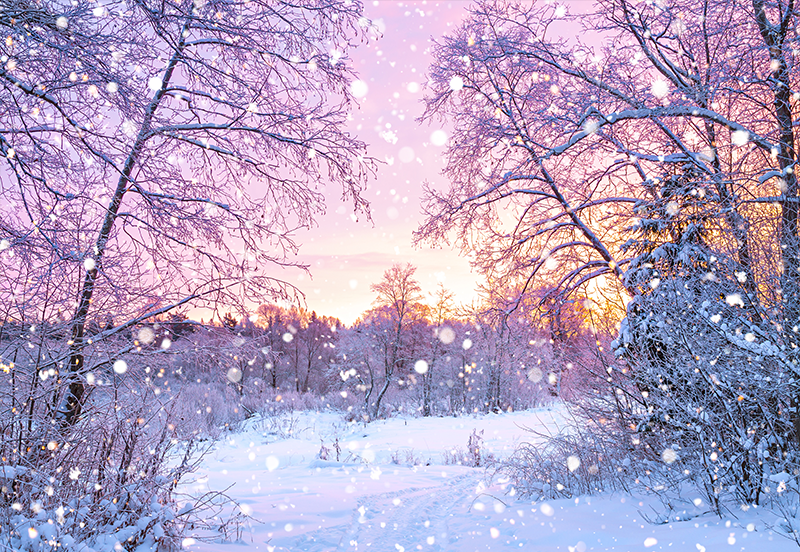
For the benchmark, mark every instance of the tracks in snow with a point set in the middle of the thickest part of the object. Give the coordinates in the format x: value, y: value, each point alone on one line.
x: 397, y: 521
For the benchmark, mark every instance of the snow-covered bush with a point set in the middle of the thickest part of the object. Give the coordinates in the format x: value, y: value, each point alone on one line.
x: 106, y: 482
x: 702, y: 388
x: 587, y: 461
x: 707, y: 371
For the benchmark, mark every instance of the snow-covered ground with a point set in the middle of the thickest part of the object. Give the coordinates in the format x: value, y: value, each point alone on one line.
x: 394, y: 488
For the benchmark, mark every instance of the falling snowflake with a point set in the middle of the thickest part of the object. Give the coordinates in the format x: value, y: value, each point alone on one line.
x: 659, y: 88
x: 672, y: 208
x: 406, y: 155
x: 535, y: 375
x: 590, y: 127
x: 456, y: 83
x: 573, y: 463
x: 740, y: 137
x: 359, y: 88
x: 447, y: 335
x: 438, y: 137
x: 155, y: 83
x: 734, y: 299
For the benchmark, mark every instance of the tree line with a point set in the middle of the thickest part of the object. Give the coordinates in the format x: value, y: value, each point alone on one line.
x: 426, y: 355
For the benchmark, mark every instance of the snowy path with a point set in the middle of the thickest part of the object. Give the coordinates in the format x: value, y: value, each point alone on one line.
x: 395, y: 520
x: 367, y: 503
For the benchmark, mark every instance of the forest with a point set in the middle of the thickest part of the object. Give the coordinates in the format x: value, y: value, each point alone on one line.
x: 627, y: 194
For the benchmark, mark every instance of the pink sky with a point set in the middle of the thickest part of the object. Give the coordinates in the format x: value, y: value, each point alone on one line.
x: 347, y: 256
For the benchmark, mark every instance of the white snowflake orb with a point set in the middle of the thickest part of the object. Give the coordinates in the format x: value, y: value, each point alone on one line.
x: 734, y: 299
x: 146, y: 335
x: 89, y: 263
x: 412, y: 87
x: 740, y: 137
x: 573, y: 463
x: 447, y: 335
x: 659, y: 88
x: 406, y: 155
x: 421, y: 367
x: 120, y: 367
x: 669, y: 456
x: 590, y: 127
x: 234, y: 375
x: 359, y: 88
x: 155, y: 83
x: 438, y: 137
x: 672, y: 208
x: 112, y: 87
x: 466, y: 344
x: 129, y: 128
x: 62, y: 23
x: 535, y: 375
x: 456, y: 83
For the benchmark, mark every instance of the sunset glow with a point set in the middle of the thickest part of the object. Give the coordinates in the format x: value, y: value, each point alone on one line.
x: 316, y: 275
x: 346, y: 256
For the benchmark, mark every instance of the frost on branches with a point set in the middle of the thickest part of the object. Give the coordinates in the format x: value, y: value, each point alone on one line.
x: 155, y: 155
x: 656, y: 152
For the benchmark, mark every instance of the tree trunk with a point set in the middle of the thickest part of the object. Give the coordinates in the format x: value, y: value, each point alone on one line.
x: 72, y: 404
x: 775, y: 38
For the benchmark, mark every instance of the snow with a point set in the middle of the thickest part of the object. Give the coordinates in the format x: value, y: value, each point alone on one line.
x: 394, y: 488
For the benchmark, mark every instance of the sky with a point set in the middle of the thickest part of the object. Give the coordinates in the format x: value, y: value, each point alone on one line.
x: 346, y: 256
